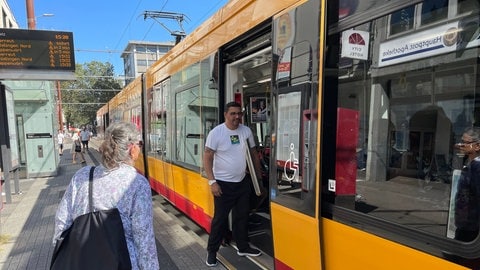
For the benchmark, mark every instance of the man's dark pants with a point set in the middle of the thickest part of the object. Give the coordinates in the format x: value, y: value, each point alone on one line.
x: 235, y: 197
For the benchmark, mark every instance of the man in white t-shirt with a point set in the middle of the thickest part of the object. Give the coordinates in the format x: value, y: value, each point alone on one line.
x: 224, y: 162
x: 60, y: 139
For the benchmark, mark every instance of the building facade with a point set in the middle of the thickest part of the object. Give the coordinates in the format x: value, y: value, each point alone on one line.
x: 139, y: 55
x: 8, y: 20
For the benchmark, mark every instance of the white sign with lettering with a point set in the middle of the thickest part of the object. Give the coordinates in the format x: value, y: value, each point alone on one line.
x: 355, y: 44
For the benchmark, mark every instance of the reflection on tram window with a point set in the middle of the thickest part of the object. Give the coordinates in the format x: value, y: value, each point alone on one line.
x: 411, y: 101
x: 434, y: 10
x: 401, y: 20
x: 467, y: 6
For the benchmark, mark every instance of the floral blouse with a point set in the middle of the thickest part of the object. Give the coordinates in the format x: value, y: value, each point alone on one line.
x: 124, y: 189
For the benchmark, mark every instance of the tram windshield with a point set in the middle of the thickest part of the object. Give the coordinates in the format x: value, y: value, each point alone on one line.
x: 409, y: 81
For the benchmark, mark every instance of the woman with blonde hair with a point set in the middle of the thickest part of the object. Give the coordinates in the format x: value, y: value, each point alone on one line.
x: 116, y: 184
x: 77, y: 148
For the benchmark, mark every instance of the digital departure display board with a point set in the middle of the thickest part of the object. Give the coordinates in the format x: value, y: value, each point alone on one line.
x: 36, y: 49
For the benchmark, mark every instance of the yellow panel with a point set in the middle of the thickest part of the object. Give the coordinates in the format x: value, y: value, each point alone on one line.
x: 155, y: 170
x: 347, y: 248
x: 139, y: 164
x: 193, y: 187
x: 296, y: 244
x: 188, y: 184
x: 295, y: 238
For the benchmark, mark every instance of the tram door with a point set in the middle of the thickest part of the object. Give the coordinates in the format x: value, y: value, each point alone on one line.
x: 248, y: 82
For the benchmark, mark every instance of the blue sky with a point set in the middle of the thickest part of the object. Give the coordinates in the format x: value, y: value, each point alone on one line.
x: 102, y: 28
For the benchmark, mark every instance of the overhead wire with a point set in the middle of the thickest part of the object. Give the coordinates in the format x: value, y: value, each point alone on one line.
x: 151, y: 25
x: 128, y: 25
x: 117, y: 51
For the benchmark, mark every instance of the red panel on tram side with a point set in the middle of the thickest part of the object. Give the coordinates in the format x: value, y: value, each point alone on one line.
x: 193, y: 211
x: 158, y: 187
x: 281, y: 266
x: 346, y: 151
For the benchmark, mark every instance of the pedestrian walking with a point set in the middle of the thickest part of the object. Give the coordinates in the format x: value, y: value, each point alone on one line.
x: 60, y: 140
x: 116, y: 184
x: 85, y: 135
x: 77, y: 149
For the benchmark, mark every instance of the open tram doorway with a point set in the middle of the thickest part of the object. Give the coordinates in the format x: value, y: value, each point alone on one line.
x: 250, y: 80
x: 248, y: 72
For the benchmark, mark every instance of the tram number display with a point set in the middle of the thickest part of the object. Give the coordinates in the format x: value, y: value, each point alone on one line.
x: 36, y: 49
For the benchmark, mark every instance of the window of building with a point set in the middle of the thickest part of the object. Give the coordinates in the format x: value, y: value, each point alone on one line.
x: 465, y: 6
x: 434, y: 10
x: 142, y: 63
x: 163, y: 49
x: 140, y: 49
x: 402, y: 20
x: 151, y: 49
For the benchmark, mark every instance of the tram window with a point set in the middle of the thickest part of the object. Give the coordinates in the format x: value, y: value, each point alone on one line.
x: 414, y: 85
x: 158, y: 121
x: 196, y: 112
x: 188, y: 128
x: 456, y: 80
x: 155, y: 120
x: 404, y: 110
x: 294, y: 106
x: 301, y: 63
x: 293, y: 157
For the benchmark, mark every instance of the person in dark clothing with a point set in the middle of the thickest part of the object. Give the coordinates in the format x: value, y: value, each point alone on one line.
x: 467, y: 200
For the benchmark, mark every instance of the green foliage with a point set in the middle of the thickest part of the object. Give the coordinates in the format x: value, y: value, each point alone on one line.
x: 93, y: 88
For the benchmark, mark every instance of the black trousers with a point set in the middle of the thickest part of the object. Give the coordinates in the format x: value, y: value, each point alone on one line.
x: 235, y: 197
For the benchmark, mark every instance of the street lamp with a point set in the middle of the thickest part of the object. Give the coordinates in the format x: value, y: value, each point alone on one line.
x: 32, y: 22
x: 43, y: 15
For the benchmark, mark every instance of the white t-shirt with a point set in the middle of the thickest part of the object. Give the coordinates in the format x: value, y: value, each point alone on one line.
x: 60, y: 138
x: 230, y: 146
x: 85, y: 135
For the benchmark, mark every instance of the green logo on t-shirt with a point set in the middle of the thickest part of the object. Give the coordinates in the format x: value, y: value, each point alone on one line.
x: 234, y: 139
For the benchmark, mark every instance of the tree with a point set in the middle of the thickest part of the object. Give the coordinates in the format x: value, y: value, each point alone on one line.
x: 94, y: 86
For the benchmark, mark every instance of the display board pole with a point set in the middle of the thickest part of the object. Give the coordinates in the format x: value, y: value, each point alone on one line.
x: 5, y: 156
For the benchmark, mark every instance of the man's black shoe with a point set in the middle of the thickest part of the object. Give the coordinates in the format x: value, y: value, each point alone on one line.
x: 211, y: 259
x: 253, y: 252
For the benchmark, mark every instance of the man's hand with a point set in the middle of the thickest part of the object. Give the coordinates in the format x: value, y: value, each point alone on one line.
x: 216, y: 189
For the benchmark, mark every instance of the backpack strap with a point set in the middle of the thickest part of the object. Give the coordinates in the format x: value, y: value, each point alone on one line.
x: 90, y: 189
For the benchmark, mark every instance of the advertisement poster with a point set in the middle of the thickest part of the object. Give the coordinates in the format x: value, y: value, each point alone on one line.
x: 259, y: 109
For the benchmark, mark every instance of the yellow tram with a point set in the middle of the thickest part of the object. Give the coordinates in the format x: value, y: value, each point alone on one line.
x: 355, y: 106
